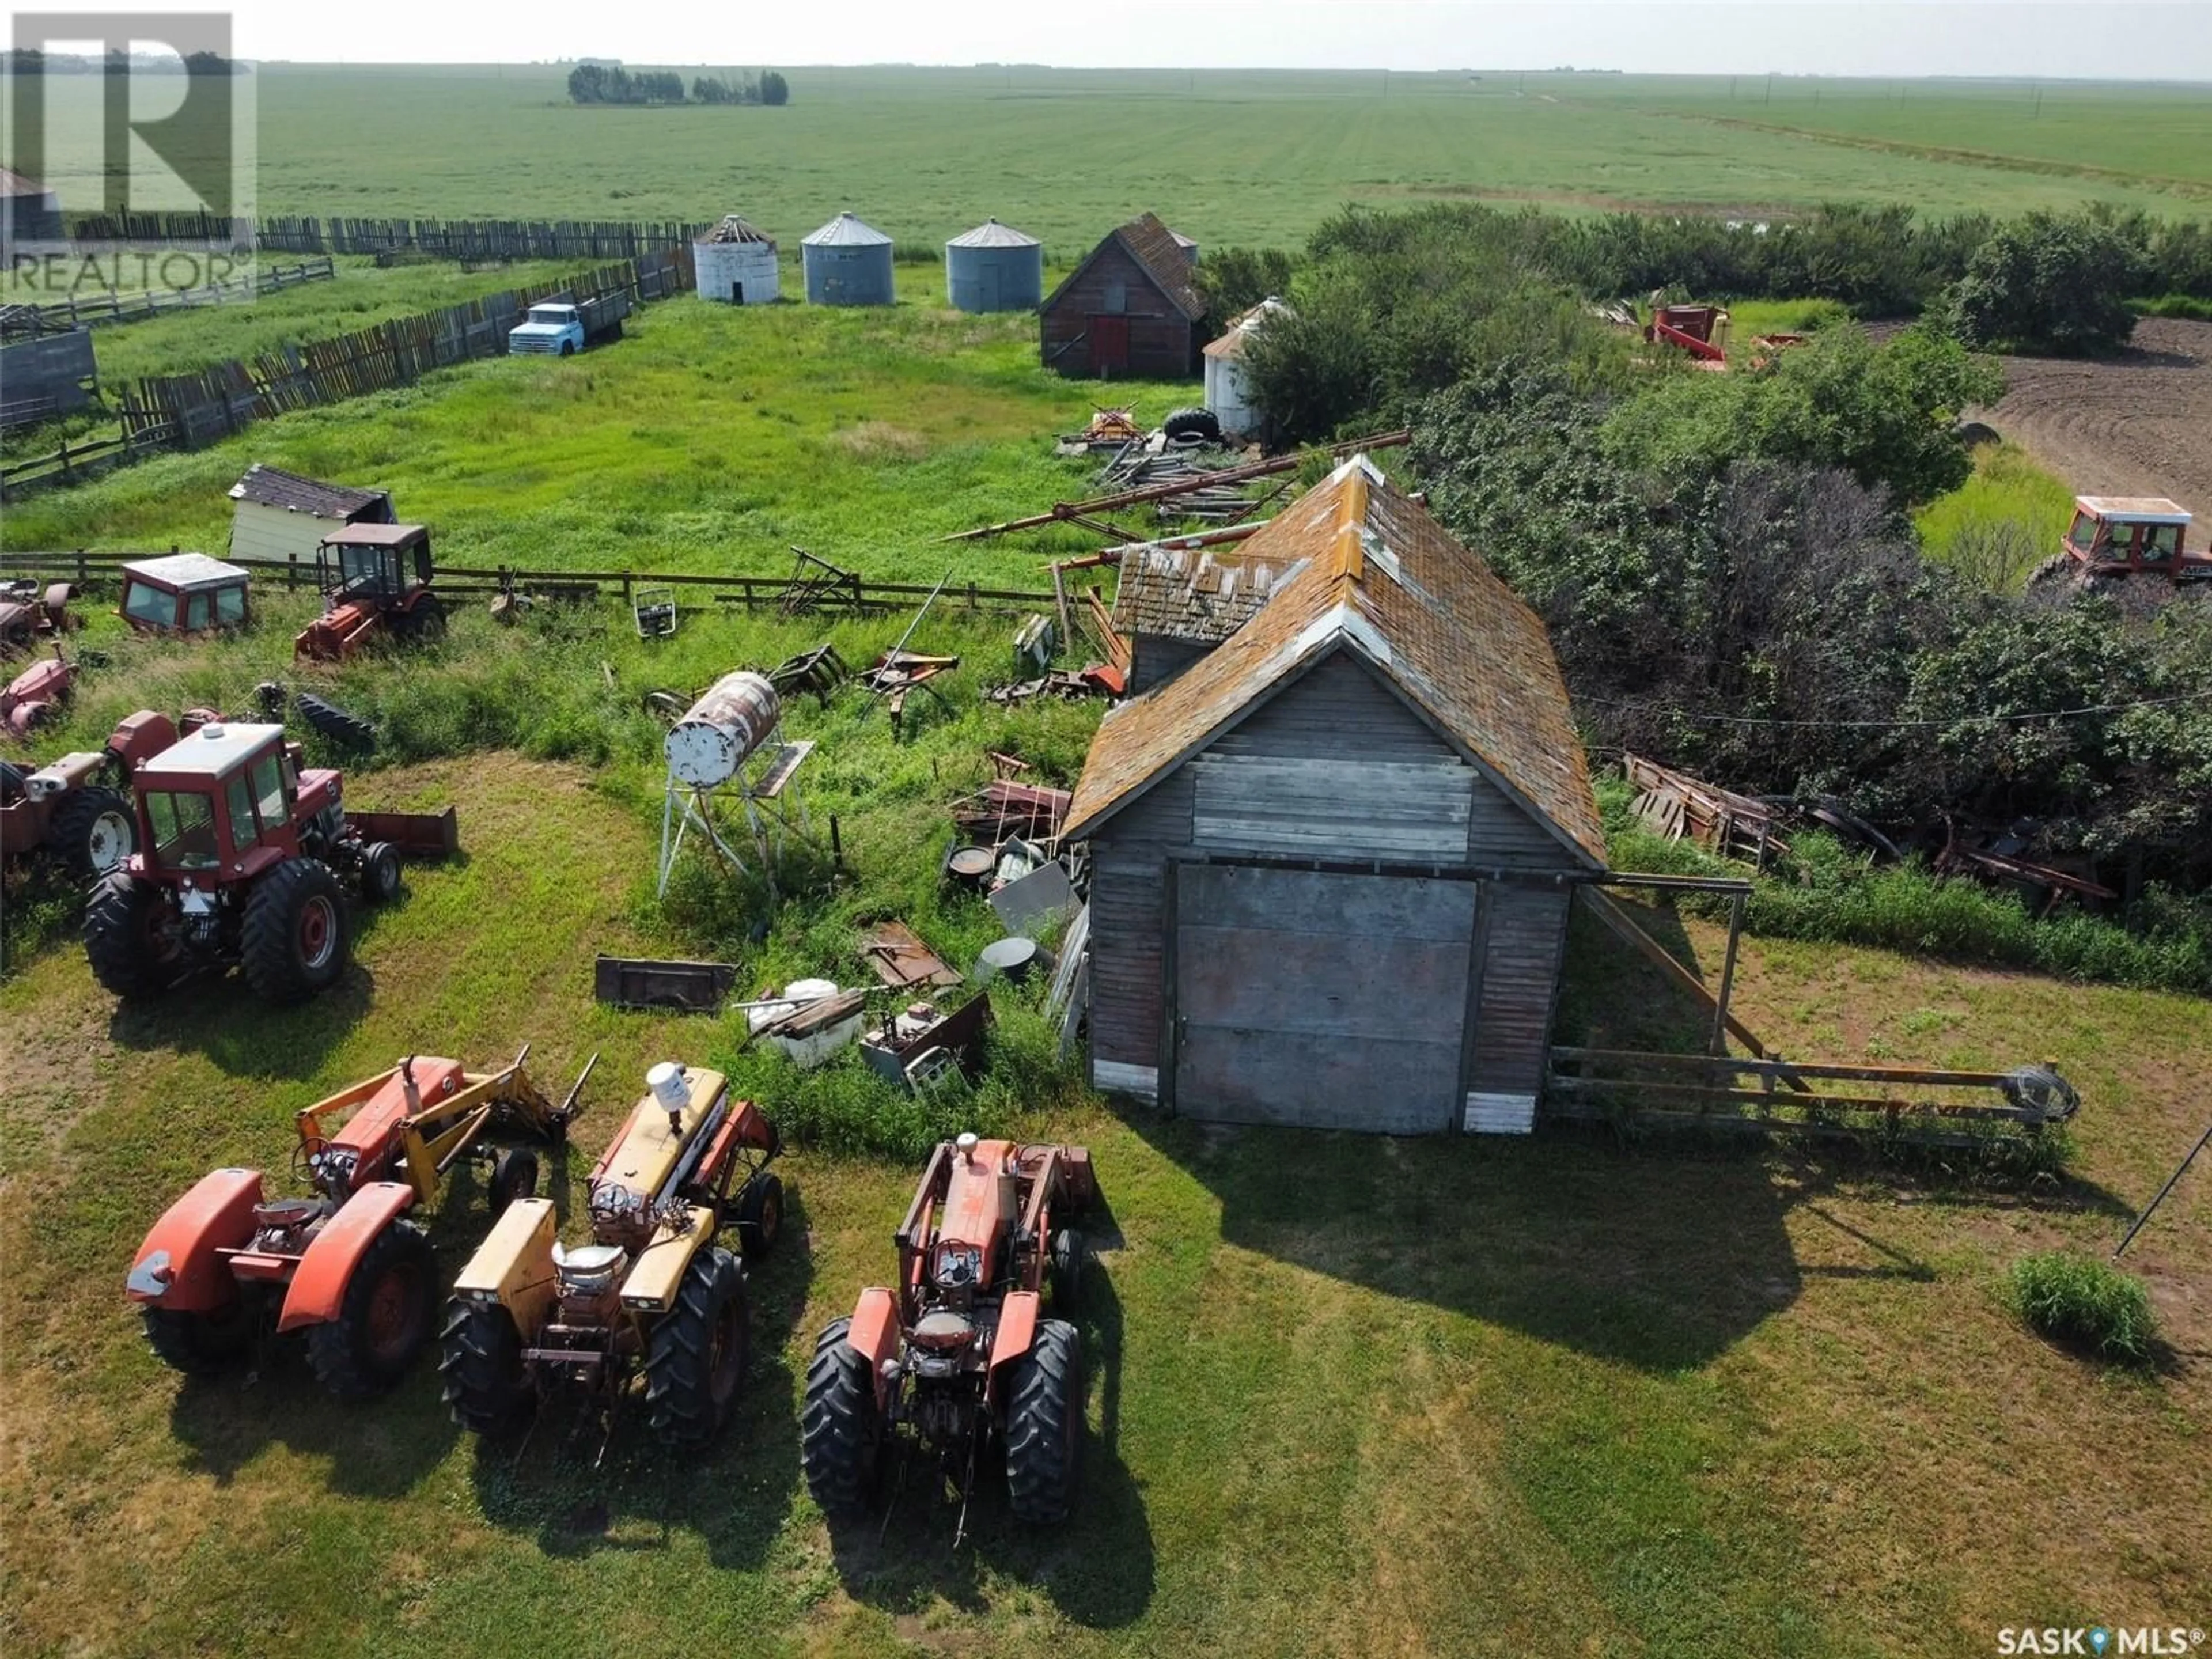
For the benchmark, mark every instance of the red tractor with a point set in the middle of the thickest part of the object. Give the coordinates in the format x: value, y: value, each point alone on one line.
x: 961, y: 1353
x: 71, y: 808
x: 239, y: 856
x: 373, y: 576
x: 224, y: 1266
x: 35, y: 696
x: 2116, y: 536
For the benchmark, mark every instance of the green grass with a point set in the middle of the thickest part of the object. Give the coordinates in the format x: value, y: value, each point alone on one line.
x: 2086, y: 1303
x: 1748, y: 319
x: 2004, y: 520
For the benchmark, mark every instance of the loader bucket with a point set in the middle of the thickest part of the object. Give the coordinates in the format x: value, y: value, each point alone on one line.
x: 428, y: 836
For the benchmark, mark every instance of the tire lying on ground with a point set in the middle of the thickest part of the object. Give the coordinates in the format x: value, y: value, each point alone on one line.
x: 1201, y: 424
x: 333, y: 722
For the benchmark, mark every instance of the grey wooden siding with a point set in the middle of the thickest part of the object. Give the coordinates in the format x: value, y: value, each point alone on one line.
x: 1129, y: 919
x: 1521, y: 970
x: 1155, y: 658
x: 1323, y: 1001
x: 1162, y: 344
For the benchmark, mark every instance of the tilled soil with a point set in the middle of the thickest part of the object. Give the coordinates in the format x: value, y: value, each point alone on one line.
x: 2137, y: 425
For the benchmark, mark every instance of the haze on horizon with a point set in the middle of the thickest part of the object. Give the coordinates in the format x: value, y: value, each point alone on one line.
x: 2165, y: 41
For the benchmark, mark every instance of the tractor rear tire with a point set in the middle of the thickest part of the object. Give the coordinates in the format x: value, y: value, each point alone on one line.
x: 1044, y: 1425
x: 426, y: 622
x: 384, y: 1318
x: 514, y: 1175
x: 1185, y: 424
x: 480, y: 1367
x: 200, y: 1344
x: 294, y: 941
x: 126, y: 939
x: 334, y: 722
x: 696, y: 1356
x: 93, y: 831
x: 379, y: 872
x: 760, y: 1215
x: 841, y: 1435
x: 1071, y: 1257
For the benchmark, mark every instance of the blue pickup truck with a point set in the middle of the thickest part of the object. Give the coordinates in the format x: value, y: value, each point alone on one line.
x: 553, y: 329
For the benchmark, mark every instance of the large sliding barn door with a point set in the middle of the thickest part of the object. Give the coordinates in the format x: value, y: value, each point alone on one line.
x: 1331, y: 1001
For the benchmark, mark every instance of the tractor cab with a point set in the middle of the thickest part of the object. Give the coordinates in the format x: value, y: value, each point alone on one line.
x: 371, y: 576
x: 2113, y: 534
x: 224, y: 804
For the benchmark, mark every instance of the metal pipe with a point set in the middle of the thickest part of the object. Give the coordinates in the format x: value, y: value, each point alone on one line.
x: 2170, y: 1181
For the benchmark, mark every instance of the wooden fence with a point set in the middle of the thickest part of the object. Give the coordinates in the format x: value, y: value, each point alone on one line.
x: 185, y: 411
x: 92, y: 569
x: 104, y: 310
x: 452, y: 239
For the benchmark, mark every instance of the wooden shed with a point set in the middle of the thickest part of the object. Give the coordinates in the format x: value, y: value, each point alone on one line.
x: 1333, y: 857
x: 1128, y: 309
x: 281, y: 514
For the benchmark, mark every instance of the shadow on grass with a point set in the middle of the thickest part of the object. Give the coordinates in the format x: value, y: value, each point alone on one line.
x: 218, y: 1015
x: 1098, y: 1568
x: 732, y: 1493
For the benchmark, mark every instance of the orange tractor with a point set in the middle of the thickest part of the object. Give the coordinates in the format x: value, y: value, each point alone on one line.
x: 2113, y: 537
x: 373, y: 577
x: 227, y: 1265
x: 654, y: 1292
x: 961, y: 1353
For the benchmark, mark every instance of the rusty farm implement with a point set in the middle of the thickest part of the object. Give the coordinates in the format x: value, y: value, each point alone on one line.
x: 227, y: 1265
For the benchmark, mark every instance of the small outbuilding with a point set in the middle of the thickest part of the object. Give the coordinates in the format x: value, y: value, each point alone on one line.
x: 848, y: 262
x: 1332, y: 859
x: 1227, y: 393
x: 280, y: 515
x: 29, y: 212
x: 735, y: 263
x: 1128, y: 309
x: 994, y: 267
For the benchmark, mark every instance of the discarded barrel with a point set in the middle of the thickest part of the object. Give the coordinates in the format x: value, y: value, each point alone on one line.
x: 735, y: 716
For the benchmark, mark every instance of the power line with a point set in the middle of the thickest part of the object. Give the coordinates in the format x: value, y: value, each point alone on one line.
x: 1900, y: 725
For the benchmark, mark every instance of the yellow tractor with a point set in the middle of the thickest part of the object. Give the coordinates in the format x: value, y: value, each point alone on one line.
x: 532, y: 1319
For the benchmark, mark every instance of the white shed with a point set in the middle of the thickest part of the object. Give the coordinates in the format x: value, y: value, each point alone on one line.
x: 736, y: 264
x: 1226, y: 393
x: 281, y: 514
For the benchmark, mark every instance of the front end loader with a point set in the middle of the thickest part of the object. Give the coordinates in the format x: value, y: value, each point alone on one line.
x: 225, y: 1264
x: 532, y: 1321
x: 961, y: 1355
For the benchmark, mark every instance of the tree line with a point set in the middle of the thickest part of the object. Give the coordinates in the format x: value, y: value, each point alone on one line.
x: 602, y: 83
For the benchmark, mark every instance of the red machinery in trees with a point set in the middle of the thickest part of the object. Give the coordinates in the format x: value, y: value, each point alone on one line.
x: 961, y: 1352
x: 2113, y: 537
x: 1701, y: 331
x: 224, y: 1265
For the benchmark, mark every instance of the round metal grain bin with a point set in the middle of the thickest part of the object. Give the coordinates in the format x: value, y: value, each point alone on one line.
x: 994, y: 267
x: 847, y: 264
x: 735, y: 263
x: 735, y: 717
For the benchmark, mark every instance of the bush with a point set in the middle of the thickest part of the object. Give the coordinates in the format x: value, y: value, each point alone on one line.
x: 2085, y: 1303
x: 2051, y: 284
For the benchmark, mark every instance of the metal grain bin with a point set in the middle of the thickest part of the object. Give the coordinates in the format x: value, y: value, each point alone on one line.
x: 994, y: 267
x: 735, y: 264
x: 847, y: 264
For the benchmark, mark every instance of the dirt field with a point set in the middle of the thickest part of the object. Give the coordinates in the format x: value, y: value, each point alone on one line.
x: 2137, y: 425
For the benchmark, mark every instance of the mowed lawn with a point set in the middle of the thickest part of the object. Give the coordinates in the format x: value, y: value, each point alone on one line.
x: 1348, y: 1395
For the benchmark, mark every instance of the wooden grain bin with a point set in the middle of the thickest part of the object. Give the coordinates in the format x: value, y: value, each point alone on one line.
x: 1128, y: 309
x: 1332, y: 858
x: 735, y: 263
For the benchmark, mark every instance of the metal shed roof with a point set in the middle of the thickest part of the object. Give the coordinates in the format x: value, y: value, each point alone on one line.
x: 991, y: 233
x: 735, y: 228
x: 269, y: 486
x: 846, y: 231
x: 186, y: 572
x: 1382, y: 579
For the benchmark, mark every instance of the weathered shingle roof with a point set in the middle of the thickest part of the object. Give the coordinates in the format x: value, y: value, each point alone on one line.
x: 269, y: 486
x: 1203, y: 593
x: 735, y: 228
x: 1153, y: 246
x: 1381, y: 578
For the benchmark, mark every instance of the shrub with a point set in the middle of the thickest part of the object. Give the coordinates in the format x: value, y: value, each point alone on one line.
x: 2085, y: 1303
x: 2048, y: 284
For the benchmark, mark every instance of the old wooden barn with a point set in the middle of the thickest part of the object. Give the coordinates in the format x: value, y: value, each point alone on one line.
x: 1333, y: 856
x: 1128, y: 309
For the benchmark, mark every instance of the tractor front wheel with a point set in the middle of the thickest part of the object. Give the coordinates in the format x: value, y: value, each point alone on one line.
x: 1044, y: 1425
x: 696, y: 1356
x: 130, y: 936
x: 384, y: 1320
x: 841, y: 1435
x: 1071, y: 1255
x: 379, y: 872
x: 480, y: 1364
x: 200, y: 1344
x: 514, y: 1175
x: 760, y: 1215
x: 93, y: 832
x: 295, y: 940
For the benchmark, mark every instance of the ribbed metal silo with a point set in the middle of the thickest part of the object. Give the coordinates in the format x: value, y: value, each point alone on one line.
x: 994, y: 267
x: 848, y: 262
